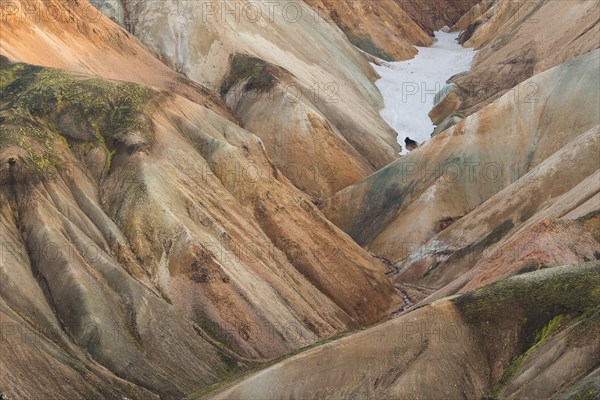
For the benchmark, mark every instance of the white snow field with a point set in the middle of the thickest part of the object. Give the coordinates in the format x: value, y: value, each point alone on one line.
x: 408, y: 87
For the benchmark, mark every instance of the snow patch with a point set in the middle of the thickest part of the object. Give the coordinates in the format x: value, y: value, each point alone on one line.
x: 408, y: 87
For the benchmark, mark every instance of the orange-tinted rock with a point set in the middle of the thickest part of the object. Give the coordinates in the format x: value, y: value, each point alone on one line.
x: 379, y: 27
x: 433, y: 15
x: 518, y: 39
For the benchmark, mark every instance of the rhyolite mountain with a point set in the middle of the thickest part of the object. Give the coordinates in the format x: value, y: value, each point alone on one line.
x: 193, y: 193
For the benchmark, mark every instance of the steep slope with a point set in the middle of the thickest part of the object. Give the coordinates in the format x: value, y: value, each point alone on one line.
x: 433, y: 15
x: 381, y: 27
x: 267, y: 101
x: 328, y: 79
x: 163, y: 226
x: 515, y: 338
x: 150, y: 246
x: 74, y: 36
x: 519, y: 39
x: 158, y: 208
x: 540, y: 221
x: 399, y: 208
x: 467, y: 21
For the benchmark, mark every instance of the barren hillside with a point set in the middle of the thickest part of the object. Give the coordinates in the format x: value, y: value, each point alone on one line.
x: 201, y: 199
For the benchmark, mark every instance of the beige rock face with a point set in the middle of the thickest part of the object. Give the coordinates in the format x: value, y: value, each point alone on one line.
x: 201, y: 41
x: 379, y: 27
x: 468, y: 19
x: 192, y: 250
x: 544, y: 219
x: 77, y: 37
x: 150, y: 245
x: 433, y: 15
x: 290, y: 128
x: 451, y: 175
x: 518, y: 39
x: 159, y: 203
x: 448, y: 103
x: 471, y: 346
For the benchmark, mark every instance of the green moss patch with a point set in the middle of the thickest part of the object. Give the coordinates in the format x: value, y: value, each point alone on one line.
x: 541, y: 295
x: 535, y: 304
x: 589, y: 216
x: 8, y: 71
x: 257, y: 72
x: 551, y: 327
x: 365, y: 43
x: 36, y: 101
x: 587, y: 393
